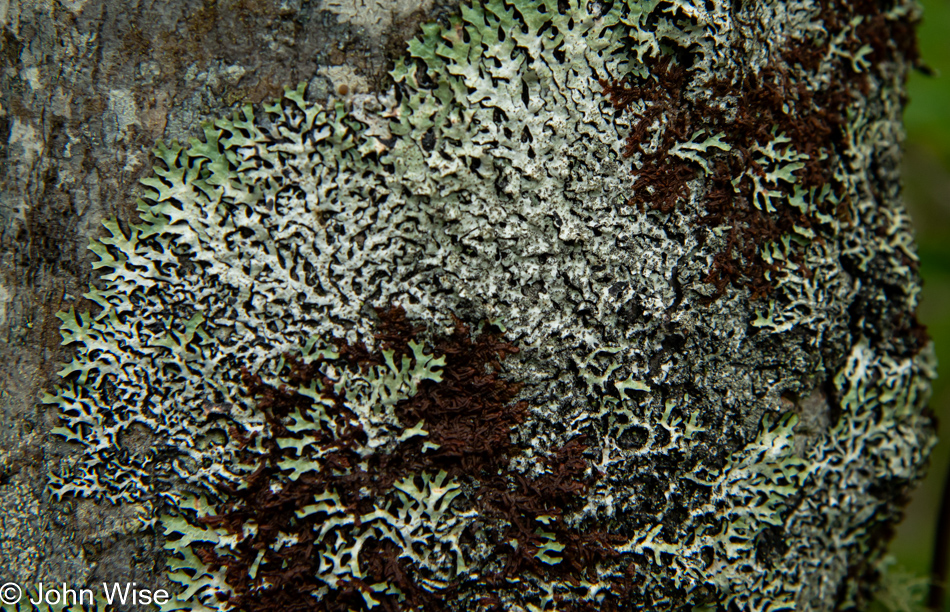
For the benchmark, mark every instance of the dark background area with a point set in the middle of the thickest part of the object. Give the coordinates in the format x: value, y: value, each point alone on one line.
x: 927, y: 195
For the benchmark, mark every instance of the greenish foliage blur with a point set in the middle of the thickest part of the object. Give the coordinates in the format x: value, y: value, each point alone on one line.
x: 926, y: 175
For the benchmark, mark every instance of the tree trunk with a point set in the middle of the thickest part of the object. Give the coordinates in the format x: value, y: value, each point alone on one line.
x: 544, y: 305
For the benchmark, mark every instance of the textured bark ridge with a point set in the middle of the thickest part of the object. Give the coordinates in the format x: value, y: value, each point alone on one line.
x: 596, y: 306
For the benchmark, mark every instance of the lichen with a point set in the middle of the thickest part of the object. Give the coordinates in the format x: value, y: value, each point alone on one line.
x: 374, y: 15
x: 692, y: 292
x: 330, y: 518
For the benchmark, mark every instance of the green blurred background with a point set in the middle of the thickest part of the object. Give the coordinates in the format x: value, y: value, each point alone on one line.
x: 927, y: 195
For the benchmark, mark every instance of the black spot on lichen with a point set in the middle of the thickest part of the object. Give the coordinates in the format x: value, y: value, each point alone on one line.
x: 633, y: 438
x: 770, y: 545
x: 428, y: 140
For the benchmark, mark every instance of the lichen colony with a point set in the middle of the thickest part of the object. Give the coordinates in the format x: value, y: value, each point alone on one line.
x: 603, y: 306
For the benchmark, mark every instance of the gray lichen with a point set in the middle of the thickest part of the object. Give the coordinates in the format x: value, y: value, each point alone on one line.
x: 750, y: 452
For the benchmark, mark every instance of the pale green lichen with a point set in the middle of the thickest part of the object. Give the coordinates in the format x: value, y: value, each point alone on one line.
x: 415, y: 518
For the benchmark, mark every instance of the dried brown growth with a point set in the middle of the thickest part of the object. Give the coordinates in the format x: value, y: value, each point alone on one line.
x: 778, y: 100
x: 661, y: 177
x: 471, y: 415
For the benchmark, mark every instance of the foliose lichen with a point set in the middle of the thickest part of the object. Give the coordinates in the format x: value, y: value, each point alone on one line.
x: 685, y: 215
